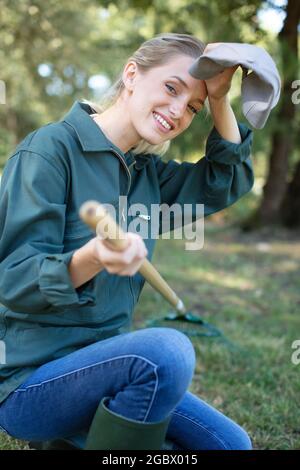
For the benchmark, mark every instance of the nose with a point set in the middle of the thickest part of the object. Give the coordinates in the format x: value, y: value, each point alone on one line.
x: 177, y: 109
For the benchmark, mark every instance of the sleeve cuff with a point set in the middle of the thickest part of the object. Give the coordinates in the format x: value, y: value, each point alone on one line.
x: 56, y: 284
x: 222, y: 151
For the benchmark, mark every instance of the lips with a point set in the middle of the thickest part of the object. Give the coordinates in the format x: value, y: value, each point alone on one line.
x: 159, y: 125
x: 166, y: 119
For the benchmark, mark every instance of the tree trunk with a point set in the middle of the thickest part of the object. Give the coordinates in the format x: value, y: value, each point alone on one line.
x: 283, y: 136
x: 290, y: 209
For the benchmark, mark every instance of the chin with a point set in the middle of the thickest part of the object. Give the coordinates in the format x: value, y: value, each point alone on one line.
x: 150, y: 139
x: 153, y: 141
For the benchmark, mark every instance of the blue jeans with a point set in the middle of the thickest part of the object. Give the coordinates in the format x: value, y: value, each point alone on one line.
x: 146, y: 374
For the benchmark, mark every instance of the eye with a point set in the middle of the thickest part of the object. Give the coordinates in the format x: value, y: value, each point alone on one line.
x: 194, y: 110
x: 170, y: 87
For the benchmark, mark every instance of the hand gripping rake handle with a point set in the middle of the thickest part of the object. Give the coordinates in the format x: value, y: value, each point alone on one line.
x: 98, y: 219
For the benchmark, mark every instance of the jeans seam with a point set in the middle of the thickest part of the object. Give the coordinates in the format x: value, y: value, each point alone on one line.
x: 84, y: 368
x: 96, y: 364
x: 202, y: 427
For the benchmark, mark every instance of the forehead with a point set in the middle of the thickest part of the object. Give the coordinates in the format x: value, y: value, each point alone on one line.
x: 178, y: 66
x: 180, y: 62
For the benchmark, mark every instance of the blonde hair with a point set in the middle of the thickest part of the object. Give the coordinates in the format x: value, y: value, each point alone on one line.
x: 152, y: 53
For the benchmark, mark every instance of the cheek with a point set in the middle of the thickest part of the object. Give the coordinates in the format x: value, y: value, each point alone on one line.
x: 141, y: 106
x: 203, y: 90
x: 186, y: 121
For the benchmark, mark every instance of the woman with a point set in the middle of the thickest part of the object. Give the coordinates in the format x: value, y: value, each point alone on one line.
x: 72, y: 366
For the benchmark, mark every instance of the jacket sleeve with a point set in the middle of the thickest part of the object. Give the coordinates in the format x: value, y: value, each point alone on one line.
x: 34, y: 275
x: 217, y: 180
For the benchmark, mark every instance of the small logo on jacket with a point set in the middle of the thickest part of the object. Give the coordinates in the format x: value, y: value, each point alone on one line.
x: 2, y: 353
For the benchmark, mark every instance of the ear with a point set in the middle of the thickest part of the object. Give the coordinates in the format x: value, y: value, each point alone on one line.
x: 129, y: 74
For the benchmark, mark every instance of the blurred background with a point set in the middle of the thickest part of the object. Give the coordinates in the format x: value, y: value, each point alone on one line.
x: 246, y: 279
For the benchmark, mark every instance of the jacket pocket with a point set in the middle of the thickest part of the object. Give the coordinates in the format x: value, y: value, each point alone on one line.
x: 75, y: 229
x: 84, y: 314
x: 136, y: 283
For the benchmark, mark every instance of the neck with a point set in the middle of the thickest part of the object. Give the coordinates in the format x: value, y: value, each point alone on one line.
x: 115, y: 124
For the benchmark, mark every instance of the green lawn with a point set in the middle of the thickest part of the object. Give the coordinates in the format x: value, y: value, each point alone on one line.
x: 249, y: 287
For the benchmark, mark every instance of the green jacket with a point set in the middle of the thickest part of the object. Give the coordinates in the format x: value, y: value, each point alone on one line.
x: 52, y: 172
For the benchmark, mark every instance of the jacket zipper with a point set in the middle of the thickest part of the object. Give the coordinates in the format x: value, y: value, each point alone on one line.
x: 126, y: 168
x: 128, y: 188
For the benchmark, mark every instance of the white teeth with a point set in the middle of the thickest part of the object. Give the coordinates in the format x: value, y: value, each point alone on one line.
x: 162, y: 121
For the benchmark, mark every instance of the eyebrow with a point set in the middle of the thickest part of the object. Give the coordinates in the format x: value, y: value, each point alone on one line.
x: 186, y: 86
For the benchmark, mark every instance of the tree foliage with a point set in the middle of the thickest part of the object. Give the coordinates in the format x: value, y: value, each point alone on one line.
x: 73, y: 41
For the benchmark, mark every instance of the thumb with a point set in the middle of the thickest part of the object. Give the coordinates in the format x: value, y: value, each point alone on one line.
x: 230, y: 71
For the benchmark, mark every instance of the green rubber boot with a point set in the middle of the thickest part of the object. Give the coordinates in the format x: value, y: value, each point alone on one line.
x: 56, y: 444
x: 112, y: 431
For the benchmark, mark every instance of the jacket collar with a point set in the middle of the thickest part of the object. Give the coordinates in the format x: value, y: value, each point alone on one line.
x: 92, y: 138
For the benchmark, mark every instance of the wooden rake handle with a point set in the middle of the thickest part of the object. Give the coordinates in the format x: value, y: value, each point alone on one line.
x: 99, y: 220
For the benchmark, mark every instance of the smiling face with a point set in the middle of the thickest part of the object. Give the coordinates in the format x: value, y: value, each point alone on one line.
x: 157, y: 97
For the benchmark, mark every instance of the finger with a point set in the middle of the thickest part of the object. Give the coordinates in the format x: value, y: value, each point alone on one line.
x: 108, y: 243
x: 230, y: 71
x: 142, y: 247
x: 139, y: 244
x: 140, y: 255
x: 130, y: 270
x: 109, y: 254
x: 211, y: 46
x: 144, y: 251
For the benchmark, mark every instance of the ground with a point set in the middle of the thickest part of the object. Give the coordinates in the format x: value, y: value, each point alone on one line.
x: 248, y: 286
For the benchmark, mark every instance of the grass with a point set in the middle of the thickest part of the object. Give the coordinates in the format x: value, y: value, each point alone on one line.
x: 248, y: 286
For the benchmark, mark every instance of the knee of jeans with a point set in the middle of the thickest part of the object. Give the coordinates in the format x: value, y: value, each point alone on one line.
x: 177, y: 357
x: 241, y: 440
